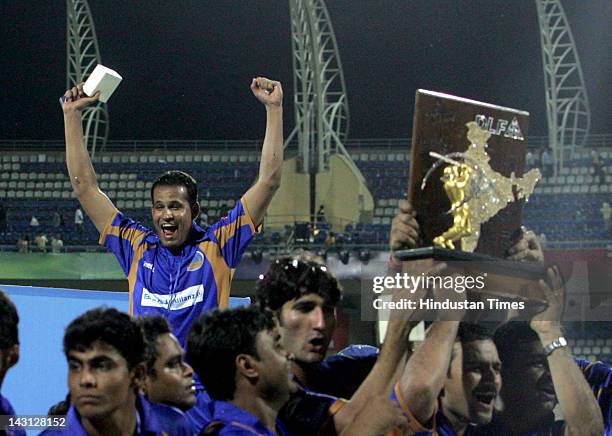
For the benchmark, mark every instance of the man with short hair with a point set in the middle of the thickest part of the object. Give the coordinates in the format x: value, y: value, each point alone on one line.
x: 240, y: 359
x: 539, y: 372
x: 452, y: 379
x: 179, y: 270
x: 9, y: 353
x: 105, y: 353
x: 245, y: 368
x: 169, y: 379
x: 304, y: 295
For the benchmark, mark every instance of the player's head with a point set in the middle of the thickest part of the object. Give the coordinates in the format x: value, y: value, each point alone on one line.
x: 174, y: 197
x: 303, y: 294
x: 239, y: 350
x: 105, y: 352
x: 528, y: 386
x: 9, y: 336
x: 169, y: 379
x: 473, y: 380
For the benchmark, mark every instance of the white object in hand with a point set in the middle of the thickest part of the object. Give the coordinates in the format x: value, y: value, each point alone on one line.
x: 102, y: 79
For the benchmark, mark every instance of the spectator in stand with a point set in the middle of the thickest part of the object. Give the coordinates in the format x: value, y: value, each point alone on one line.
x: 320, y: 217
x: 78, y: 220
x: 34, y: 226
x: 530, y: 160
x: 9, y: 354
x: 606, y: 214
x: 23, y: 245
x: 56, y: 220
x: 204, y: 219
x: 598, y: 167
x: 542, y: 239
x: 546, y: 160
x: 41, y: 241
x: 56, y: 244
x: 3, y: 221
x: 581, y: 221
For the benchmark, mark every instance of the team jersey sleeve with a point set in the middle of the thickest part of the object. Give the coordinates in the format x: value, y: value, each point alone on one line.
x: 234, y: 232
x: 599, y: 377
x: 122, y: 235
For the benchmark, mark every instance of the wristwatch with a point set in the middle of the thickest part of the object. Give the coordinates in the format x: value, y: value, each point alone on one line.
x: 560, y: 342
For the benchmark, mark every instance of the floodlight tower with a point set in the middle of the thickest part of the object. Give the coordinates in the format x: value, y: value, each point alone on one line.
x: 319, y: 98
x: 567, y: 104
x: 83, y: 55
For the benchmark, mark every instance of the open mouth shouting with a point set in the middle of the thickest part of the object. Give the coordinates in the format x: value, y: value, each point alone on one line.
x: 169, y: 230
x: 486, y: 398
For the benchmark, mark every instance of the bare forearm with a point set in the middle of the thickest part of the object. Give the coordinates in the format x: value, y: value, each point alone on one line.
x: 381, y: 378
x: 271, y: 165
x: 578, y: 404
x: 426, y: 369
x: 80, y: 169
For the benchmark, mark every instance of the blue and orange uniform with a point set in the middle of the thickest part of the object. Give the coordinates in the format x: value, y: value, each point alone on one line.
x: 229, y: 419
x: 182, y: 286
x: 599, y: 377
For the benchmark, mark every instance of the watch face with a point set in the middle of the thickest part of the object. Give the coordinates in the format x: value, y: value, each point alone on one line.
x: 562, y: 341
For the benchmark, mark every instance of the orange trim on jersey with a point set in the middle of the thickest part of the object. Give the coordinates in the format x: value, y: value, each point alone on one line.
x: 138, y: 255
x: 337, y: 406
x: 589, y: 366
x: 413, y: 424
x: 106, y: 230
x: 245, y: 427
x: 226, y: 232
x: 221, y: 272
x: 254, y: 229
x: 134, y: 236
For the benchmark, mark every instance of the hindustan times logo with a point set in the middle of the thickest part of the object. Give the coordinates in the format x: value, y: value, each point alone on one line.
x: 412, y: 283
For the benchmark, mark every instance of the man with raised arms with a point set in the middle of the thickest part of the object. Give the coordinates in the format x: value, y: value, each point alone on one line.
x: 179, y: 270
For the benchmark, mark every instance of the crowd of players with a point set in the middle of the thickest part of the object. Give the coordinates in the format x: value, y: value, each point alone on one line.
x: 181, y: 363
x: 264, y: 370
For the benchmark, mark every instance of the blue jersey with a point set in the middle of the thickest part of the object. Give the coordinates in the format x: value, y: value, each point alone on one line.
x: 7, y: 409
x: 229, y: 419
x: 341, y: 374
x: 152, y: 420
x: 179, y: 287
x: 599, y: 377
x: 200, y: 415
x: 307, y: 413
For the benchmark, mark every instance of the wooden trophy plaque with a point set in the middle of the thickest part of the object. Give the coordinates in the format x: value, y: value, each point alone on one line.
x: 467, y: 185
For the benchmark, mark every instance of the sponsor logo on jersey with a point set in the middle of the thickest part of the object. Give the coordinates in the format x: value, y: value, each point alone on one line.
x: 177, y: 301
x: 196, y: 262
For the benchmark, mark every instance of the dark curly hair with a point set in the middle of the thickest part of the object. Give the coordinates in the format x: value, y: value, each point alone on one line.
x: 178, y: 178
x: 110, y: 326
x: 9, y: 322
x: 291, y: 277
x: 152, y: 327
x: 217, y: 338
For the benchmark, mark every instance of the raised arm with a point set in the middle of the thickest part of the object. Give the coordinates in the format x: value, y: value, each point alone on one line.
x: 259, y: 196
x: 578, y: 404
x: 80, y: 170
x: 426, y: 370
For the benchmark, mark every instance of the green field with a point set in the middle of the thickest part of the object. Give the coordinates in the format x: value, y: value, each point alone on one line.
x: 64, y: 266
